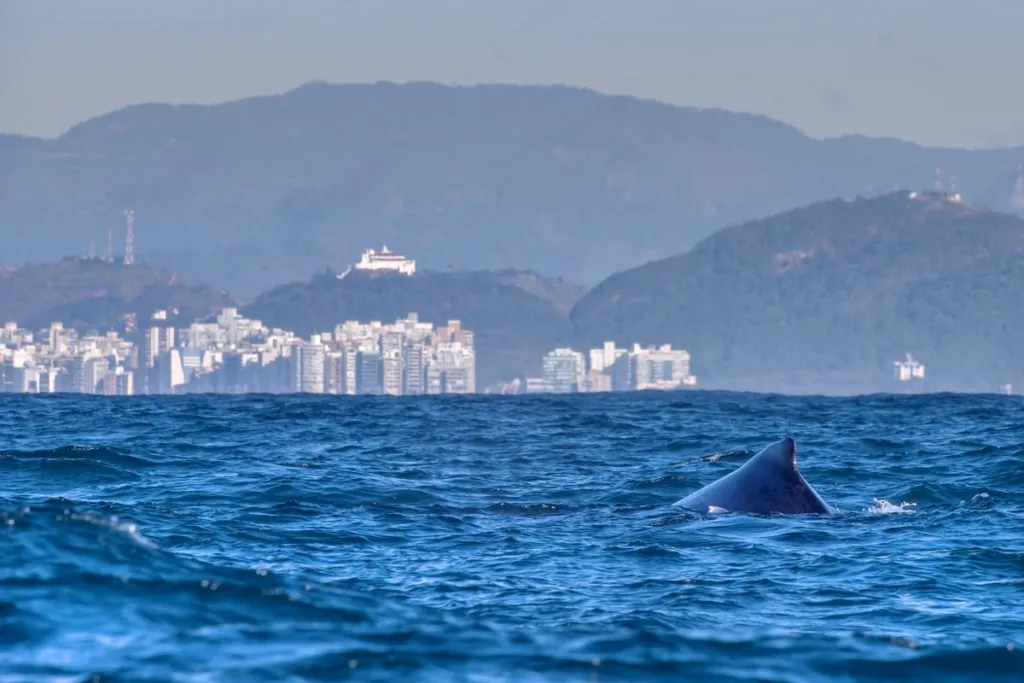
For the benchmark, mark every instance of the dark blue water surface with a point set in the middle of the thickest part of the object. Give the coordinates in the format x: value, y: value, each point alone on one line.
x: 505, y: 539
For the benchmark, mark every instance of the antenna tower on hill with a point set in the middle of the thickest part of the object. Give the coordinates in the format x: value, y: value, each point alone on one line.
x: 129, y: 234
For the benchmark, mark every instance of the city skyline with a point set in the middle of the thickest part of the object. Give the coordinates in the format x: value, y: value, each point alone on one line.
x: 235, y: 354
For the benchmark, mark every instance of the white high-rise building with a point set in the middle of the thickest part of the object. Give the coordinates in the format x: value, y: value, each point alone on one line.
x: 563, y: 371
x: 170, y: 372
x: 660, y: 368
x: 95, y: 371
x: 311, y: 361
x: 603, y: 358
x: 350, y: 370
x: 415, y: 367
x: 909, y: 369
x: 158, y: 340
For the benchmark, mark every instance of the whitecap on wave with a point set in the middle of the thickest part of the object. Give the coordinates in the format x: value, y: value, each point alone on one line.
x: 884, y: 507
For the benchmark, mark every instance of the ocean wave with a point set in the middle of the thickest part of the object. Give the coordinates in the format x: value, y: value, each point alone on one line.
x: 76, y: 461
x: 317, y: 538
x: 884, y: 507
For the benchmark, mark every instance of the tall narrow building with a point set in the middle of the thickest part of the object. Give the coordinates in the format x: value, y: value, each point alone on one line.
x: 350, y: 360
x: 413, y: 377
x: 334, y: 373
x: 391, y: 346
x: 564, y: 370
x: 368, y: 373
x: 311, y: 363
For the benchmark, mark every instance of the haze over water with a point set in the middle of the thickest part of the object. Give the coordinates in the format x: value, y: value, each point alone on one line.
x: 505, y: 539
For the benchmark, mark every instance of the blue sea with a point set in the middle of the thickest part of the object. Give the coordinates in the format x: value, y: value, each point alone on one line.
x: 295, y: 538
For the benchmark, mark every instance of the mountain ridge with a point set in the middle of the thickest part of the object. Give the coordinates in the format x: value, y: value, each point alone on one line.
x: 94, y: 294
x: 515, y: 317
x: 249, y: 193
x: 828, y: 296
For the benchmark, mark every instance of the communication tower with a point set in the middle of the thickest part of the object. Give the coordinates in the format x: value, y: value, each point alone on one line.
x: 938, y: 179
x: 110, y: 244
x: 953, y: 195
x: 129, y: 232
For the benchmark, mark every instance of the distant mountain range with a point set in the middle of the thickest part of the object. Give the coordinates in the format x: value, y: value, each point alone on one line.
x: 249, y: 194
x: 822, y: 299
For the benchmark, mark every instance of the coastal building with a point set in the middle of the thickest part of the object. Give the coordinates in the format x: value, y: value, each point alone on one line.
x: 47, y: 380
x: 536, y: 385
x: 350, y: 361
x: 158, y: 340
x: 451, y: 371
x: 78, y: 375
x: 368, y: 372
x: 238, y: 355
x: 596, y: 382
x: 414, y: 377
x: 908, y: 369
x: 605, y: 357
x: 563, y: 371
x: 391, y: 372
x: 614, y: 369
x: 169, y: 372
x: 660, y: 368
x: 455, y: 351
x: 58, y: 338
x: 94, y: 371
x: 311, y: 363
x: 334, y: 372
x: 124, y: 382
x: 386, y: 260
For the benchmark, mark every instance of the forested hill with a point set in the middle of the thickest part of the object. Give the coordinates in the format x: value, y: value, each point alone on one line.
x: 92, y: 294
x: 826, y: 298
x: 516, y: 317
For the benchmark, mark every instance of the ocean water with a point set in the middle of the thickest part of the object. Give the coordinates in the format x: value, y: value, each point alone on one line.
x: 270, y: 538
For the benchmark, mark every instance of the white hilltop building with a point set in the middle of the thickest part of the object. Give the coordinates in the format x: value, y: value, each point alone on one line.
x: 385, y: 260
x: 909, y: 369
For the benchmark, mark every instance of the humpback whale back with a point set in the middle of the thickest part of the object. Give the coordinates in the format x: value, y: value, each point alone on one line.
x: 768, y: 482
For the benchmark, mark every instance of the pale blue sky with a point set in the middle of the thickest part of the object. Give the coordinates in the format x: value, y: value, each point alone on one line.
x: 933, y: 71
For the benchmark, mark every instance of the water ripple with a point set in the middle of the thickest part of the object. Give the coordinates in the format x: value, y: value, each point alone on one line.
x: 506, y: 539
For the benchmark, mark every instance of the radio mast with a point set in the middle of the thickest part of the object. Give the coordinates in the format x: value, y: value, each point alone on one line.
x: 129, y: 231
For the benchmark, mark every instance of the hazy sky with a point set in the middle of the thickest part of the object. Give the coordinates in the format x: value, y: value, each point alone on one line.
x: 933, y: 71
